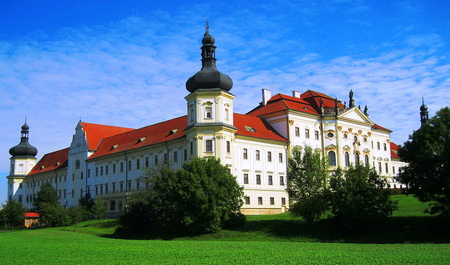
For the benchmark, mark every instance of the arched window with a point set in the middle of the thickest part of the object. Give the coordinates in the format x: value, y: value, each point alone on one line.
x: 356, y: 159
x: 332, y: 158
x: 347, y: 159
x: 366, y: 160
x: 77, y: 164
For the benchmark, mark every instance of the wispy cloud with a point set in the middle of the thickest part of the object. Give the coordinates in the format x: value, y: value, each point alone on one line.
x: 132, y: 72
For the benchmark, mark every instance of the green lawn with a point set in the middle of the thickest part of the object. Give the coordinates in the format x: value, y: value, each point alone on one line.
x: 275, y: 239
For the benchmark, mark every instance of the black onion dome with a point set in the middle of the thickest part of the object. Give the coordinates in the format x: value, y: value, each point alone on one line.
x: 209, y: 77
x: 423, y: 107
x: 24, y: 148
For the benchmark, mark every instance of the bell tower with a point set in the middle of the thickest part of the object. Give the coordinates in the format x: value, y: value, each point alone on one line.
x: 210, y: 130
x: 23, y: 159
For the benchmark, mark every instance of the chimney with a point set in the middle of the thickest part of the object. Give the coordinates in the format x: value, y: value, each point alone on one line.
x: 266, y: 95
x: 295, y: 94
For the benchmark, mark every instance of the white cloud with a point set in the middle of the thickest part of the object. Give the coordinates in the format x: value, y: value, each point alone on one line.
x: 132, y: 73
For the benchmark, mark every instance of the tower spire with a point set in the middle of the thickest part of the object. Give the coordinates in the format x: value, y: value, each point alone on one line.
x: 209, y: 77
x: 423, y: 113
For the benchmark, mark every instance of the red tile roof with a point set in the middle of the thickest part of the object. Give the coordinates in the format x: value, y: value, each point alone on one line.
x: 96, y: 132
x: 31, y: 214
x: 394, y: 151
x: 51, y: 161
x: 173, y: 129
x: 255, y: 127
x: 153, y: 134
x: 281, y: 102
x: 378, y: 127
x: 313, y: 98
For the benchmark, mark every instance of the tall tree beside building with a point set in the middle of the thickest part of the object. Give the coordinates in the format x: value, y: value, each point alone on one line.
x: 307, y: 175
x: 427, y: 153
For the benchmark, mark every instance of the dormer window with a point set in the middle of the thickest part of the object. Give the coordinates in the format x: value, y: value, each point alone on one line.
x: 250, y: 129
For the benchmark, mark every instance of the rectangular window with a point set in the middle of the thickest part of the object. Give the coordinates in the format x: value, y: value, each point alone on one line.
x: 386, y: 165
x: 272, y: 201
x: 297, y: 131
x: 121, y: 186
x: 316, y: 135
x: 129, y: 165
x: 227, y: 114
x: 281, y: 180
x: 101, y: 188
x: 280, y: 157
x: 175, y: 156
x: 270, y: 180
x: 307, y: 133
x: 245, y: 153
x: 59, y: 195
x: 385, y: 147
x: 138, y: 163
x: 120, y: 206
x: 245, y: 178
x: 379, y: 167
x: 260, y: 201
x: 208, y: 112
x: 257, y: 155
x: 191, y: 148
x: 166, y: 158
x: 156, y: 160
x: 73, y: 177
x: 393, y: 170
x: 209, y: 147
x: 101, y: 171
x: 247, y: 200
x: 113, y: 187
x: 378, y: 145
x: 73, y: 193
x: 80, y: 175
x: 129, y: 185
x: 137, y: 185
x: 185, y: 154
x: 228, y: 147
x: 106, y: 188
x: 269, y: 156
x: 147, y: 162
x: 283, y: 201
x: 65, y: 193
x: 106, y: 170
x: 114, y: 168
x: 121, y: 166
x: 258, y: 179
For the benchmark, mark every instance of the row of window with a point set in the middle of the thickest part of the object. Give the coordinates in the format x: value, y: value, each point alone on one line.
x: 258, y: 155
x: 104, y: 170
x: 307, y: 135
x: 258, y: 179
x: 260, y: 200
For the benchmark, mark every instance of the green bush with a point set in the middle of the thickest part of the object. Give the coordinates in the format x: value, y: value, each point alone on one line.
x: 12, y: 215
x: 359, y: 198
x: 202, y: 197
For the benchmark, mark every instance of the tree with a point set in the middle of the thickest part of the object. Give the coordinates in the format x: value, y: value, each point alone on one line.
x: 51, y: 212
x: 12, y: 214
x: 359, y: 198
x: 307, y: 175
x: 427, y: 153
x: 202, y: 197
x: 47, y: 194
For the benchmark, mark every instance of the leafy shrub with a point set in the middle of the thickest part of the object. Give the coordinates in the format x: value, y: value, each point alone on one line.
x: 359, y: 198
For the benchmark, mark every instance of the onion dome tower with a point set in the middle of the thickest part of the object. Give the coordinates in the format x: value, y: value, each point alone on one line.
x: 23, y: 159
x: 23, y: 149
x: 210, y: 130
x: 209, y: 77
x: 423, y: 113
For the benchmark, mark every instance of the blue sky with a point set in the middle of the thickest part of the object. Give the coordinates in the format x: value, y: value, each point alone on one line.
x: 125, y: 63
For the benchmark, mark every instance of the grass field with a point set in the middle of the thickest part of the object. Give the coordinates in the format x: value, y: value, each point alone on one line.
x: 276, y: 239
